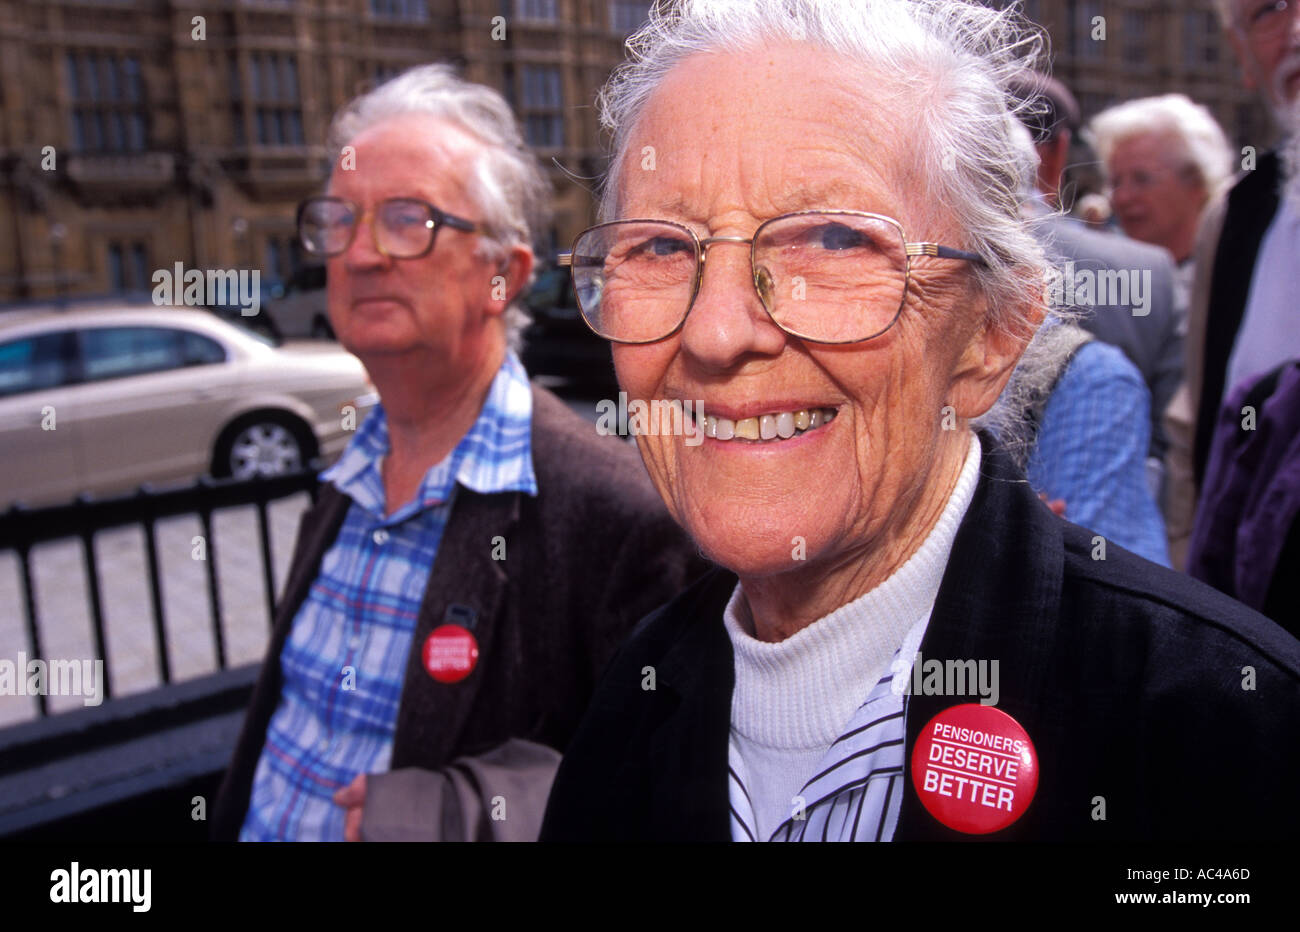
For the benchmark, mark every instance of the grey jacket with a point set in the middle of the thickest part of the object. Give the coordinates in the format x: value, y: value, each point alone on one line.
x: 497, y: 796
x: 1154, y: 340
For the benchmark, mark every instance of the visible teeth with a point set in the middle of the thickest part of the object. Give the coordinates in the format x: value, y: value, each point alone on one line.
x: 768, y: 428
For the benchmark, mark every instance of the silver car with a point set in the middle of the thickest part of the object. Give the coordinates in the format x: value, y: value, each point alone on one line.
x: 102, y: 399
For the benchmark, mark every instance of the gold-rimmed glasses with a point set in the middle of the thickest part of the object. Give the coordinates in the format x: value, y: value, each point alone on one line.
x: 828, y: 276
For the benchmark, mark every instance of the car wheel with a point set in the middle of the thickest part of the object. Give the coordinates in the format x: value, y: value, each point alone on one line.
x: 264, y: 445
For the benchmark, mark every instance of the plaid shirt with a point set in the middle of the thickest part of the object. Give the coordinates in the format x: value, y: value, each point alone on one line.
x: 344, y: 662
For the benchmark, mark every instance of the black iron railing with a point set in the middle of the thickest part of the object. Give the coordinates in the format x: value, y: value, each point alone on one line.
x: 22, y: 528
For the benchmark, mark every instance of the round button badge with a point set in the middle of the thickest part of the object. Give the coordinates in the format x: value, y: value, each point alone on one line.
x: 975, y: 768
x: 450, y: 653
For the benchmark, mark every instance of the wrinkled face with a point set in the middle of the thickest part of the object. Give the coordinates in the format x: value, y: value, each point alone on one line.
x: 1155, y: 199
x: 738, y: 139
x: 439, y: 305
x: 1267, y: 44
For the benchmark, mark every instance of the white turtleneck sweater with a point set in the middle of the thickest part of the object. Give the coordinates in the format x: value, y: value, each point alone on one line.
x: 792, y: 699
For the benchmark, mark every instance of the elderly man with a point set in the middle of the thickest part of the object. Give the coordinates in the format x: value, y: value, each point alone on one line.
x: 1242, y: 319
x: 1165, y: 158
x: 905, y: 643
x: 477, y: 552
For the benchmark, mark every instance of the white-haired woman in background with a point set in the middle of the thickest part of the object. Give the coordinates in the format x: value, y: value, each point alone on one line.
x: 850, y: 170
x: 1165, y: 158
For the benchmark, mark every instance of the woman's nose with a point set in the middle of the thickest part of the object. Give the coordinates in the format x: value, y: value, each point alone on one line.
x: 728, y: 322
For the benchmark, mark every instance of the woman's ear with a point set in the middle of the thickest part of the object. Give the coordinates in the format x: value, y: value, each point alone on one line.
x: 989, y: 359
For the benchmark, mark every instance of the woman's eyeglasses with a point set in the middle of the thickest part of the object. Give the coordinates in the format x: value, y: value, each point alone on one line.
x: 829, y: 276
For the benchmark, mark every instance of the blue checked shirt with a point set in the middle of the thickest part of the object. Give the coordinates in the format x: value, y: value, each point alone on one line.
x: 344, y: 662
x: 1092, y: 449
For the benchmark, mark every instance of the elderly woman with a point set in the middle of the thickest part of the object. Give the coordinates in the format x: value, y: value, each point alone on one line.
x: 1165, y: 157
x: 814, y: 235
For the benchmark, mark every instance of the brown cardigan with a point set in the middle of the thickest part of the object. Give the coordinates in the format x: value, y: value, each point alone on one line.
x: 586, y: 558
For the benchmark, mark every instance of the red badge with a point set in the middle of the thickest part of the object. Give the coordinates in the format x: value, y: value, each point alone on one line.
x: 974, y: 768
x: 450, y: 653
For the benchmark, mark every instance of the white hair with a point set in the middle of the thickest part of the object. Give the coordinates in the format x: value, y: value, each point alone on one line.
x: 1199, y: 143
x: 506, y: 182
x: 951, y: 58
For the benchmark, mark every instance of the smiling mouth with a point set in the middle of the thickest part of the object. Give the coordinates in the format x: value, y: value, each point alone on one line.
x: 767, y: 428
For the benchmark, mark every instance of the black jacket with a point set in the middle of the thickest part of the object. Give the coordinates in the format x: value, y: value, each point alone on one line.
x: 1252, y: 203
x: 584, y: 560
x: 1128, y: 678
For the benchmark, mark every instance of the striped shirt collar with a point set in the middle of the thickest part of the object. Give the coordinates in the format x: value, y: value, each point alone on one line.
x: 495, y: 455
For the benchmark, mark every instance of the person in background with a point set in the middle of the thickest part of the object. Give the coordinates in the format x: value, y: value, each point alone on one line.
x: 477, y: 552
x: 1165, y: 158
x: 1097, y: 446
x: 1242, y: 320
x: 1246, y: 540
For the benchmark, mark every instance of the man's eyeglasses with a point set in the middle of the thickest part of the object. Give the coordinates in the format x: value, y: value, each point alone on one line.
x: 828, y: 276
x: 1267, y: 20
x: 402, y: 227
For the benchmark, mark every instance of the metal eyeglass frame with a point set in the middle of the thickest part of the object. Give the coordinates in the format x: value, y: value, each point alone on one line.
x: 910, y: 250
x: 440, y: 219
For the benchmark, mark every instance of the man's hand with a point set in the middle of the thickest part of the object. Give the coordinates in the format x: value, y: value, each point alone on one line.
x: 352, y: 797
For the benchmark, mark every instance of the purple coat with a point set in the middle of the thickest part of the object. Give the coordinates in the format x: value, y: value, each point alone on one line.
x: 1251, y: 496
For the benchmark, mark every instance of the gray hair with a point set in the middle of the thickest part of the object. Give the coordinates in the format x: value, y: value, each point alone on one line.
x: 1201, y: 144
x: 506, y: 182
x: 955, y: 57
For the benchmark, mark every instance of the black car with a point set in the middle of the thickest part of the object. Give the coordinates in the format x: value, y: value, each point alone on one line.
x: 559, y: 345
